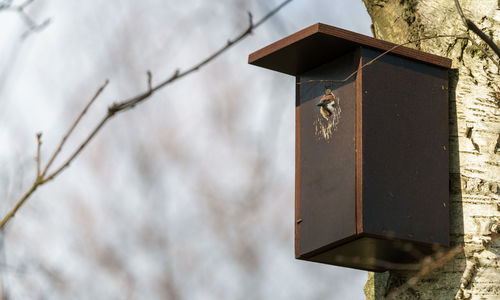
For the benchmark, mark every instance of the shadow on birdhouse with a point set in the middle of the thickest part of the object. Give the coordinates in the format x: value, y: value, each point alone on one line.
x: 371, y: 176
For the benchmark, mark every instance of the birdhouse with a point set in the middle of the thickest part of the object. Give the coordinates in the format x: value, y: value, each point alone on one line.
x: 371, y: 167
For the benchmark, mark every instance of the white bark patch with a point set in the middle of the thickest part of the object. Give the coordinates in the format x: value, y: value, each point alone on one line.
x: 474, y: 135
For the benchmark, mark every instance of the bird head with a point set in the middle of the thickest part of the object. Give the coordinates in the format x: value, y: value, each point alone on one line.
x: 327, y: 105
x: 326, y: 100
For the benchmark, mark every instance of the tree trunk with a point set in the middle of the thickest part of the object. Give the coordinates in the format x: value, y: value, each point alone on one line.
x: 474, y: 145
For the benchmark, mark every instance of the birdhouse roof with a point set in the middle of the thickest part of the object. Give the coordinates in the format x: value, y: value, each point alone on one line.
x: 321, y: 43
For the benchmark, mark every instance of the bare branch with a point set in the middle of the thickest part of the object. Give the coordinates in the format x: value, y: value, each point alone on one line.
x: 461, y: 12
x: 483, y: 36
x: 19, y: 203
x: 473, y: 27
x: 250, y: 20
x: 485, y: 53
x: 125, y: 105
x: 25, y: 4
x: 37, y: 158
x: 40, y: 178
x: 431, y: 265
x: 150, y: 79
x: 130, y: 103
x: 35, y: 27
x: 78, y: 150
x: 5, y: 4
x: 271, y: 13
x: 77, y: 120
x: 20, y: 10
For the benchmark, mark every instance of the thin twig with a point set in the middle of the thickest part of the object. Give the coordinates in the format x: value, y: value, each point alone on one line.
x: 271, y: 13
x: 473, y: 27
x: 497, y: 63
x: 427, y: 268
x: 77, y: 120
x: 484, y: 37
x: 40, y: 178
x: 130, y: 103
x: 20, y: 10
x: 78, y: 150
x: 150, y: 79
x: 19, y: 203
x: 461, y: 12
x: 125, y: 105
x: 5, y: 4
x: 36, y: 27
x: 37, y: 158
x: 381, y: 55
x: 25, y: 4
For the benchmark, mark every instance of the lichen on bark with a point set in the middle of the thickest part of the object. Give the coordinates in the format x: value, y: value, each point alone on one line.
x: 474, y: 144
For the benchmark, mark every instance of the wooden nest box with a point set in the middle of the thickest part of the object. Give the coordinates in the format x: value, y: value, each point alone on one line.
x: 371, y: 162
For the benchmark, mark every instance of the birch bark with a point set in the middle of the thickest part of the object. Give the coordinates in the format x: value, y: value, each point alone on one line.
x: 474, y: 142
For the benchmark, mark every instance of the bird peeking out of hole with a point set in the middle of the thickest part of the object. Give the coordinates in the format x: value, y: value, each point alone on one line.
x: 328, y: 104
x: 329, y: 108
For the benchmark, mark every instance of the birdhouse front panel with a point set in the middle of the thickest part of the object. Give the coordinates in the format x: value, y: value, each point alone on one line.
x: 325, y: 185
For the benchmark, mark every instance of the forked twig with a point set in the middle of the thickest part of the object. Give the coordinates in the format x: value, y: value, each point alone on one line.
x: 72, y: 127
x: 45, y: 176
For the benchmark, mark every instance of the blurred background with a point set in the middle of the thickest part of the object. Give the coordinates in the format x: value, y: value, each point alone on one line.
x: 189, y: 195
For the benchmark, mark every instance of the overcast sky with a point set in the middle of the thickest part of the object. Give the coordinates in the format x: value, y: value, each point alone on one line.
x: 189, y: 196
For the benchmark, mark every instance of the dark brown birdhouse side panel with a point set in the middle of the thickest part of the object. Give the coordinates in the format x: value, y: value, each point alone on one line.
x: 326, y: 157
x: 405, y: 149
